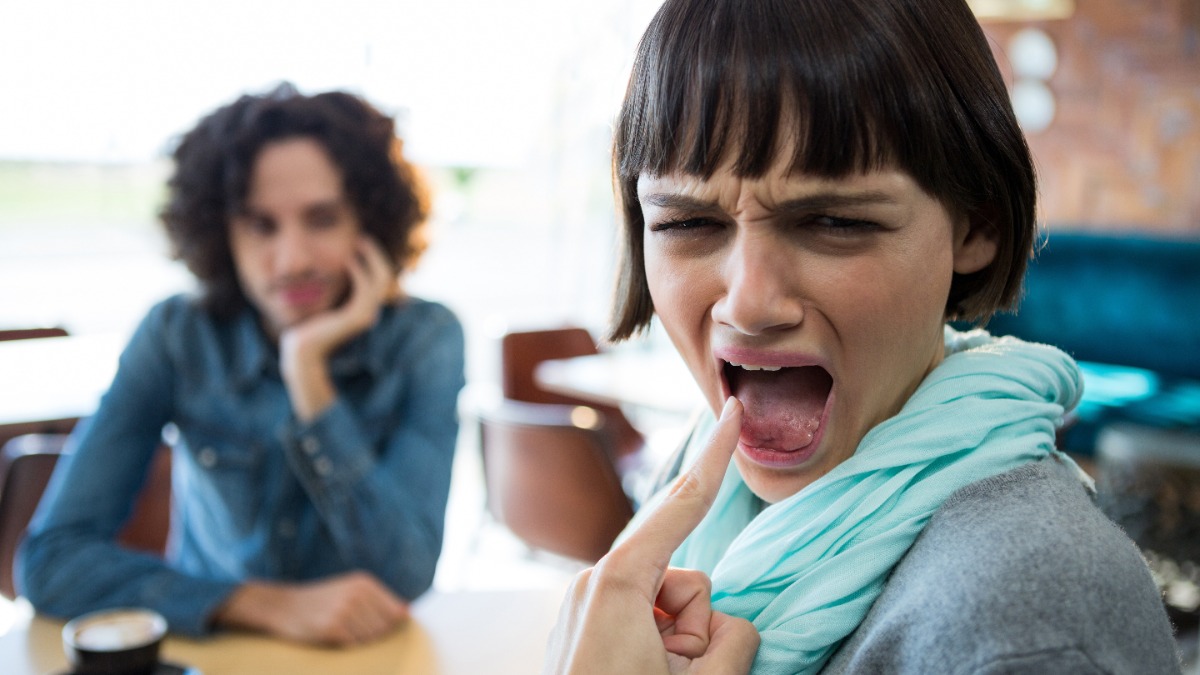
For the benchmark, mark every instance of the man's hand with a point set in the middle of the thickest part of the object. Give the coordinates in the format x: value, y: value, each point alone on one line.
x: 304, y: 349
x: 631, y: 614
x: 349, y: 609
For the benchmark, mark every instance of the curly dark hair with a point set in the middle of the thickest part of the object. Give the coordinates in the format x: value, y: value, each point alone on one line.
x: 214, y: 161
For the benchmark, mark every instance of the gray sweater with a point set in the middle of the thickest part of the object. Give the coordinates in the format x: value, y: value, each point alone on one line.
x: 1019, y: 573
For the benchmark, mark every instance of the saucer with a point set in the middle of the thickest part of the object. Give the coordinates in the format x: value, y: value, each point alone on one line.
x: 164, y: 668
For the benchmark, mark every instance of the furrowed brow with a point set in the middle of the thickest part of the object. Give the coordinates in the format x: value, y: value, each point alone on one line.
x: 815, y: 202
x: 667, y: 200
x: 832, y: 200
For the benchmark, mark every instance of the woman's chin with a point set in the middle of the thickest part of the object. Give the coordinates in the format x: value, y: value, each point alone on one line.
x: 775, y: 475
x: 773, y: 483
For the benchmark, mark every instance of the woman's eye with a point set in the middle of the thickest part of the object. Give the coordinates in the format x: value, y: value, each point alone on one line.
x: 841, y: 226
x: 681, y: 224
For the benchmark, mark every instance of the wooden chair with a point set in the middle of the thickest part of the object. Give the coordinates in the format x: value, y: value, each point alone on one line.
x: 520, y: 354
x: 550, y: 478
x: 10, y: 432
x: 31, y: 333
x: 26, y: 464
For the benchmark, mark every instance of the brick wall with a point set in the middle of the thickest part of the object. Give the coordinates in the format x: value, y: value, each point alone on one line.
x: 1124, y: 147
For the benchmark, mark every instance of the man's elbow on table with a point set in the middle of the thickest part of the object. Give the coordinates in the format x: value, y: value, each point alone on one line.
x: 41, y: 577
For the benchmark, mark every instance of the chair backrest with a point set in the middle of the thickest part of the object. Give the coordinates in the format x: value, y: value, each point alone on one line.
x: 522, y: 351
x: 25, y: 479
x: 26, y: 464
x: 59, y: 427
x: 550, y: 479
x: 31, y: 333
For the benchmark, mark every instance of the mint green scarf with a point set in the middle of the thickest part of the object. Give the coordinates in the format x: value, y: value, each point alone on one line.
x: 807, y: 569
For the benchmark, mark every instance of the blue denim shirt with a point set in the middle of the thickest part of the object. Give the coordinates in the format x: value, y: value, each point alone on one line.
x: 257, y: 494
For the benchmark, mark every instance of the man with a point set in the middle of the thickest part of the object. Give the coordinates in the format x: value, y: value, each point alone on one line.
x: 314, y: 402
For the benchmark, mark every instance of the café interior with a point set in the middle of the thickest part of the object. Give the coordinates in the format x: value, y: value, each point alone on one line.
x: 561, y: 434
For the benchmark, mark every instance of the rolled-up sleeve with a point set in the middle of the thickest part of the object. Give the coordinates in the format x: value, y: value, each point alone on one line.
x: 384, y: 501
x: 70, y: 562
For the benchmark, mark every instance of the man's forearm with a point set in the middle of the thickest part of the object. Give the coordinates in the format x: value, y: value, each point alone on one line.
x: 309, y: 386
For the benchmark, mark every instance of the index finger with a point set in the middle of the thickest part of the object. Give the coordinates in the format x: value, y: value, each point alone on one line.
x: 373, y: 255
x: 381, y: 272
x: 691, y: 494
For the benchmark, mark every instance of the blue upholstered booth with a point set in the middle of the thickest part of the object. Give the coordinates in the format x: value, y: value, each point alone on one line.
x: 1127, y: 307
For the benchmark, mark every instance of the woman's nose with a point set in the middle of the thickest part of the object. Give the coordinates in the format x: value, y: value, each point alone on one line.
x: 761, y: 293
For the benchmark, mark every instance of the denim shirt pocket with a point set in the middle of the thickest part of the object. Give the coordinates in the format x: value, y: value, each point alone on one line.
x: 226, y: 469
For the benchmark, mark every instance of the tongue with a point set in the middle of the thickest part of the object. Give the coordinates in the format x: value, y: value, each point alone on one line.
x: 782, y: 408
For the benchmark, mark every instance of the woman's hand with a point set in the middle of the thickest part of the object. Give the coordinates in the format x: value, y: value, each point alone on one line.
x: 304, y: 349
x: 632, y: 614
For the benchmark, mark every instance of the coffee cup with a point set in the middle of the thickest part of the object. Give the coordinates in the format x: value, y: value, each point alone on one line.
x: 123, y: 641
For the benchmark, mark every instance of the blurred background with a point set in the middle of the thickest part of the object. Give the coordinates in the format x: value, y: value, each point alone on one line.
x: 508, y: 106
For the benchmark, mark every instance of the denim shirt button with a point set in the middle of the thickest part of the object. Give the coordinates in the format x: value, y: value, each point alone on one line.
x: 310, y: 445
x: 207, y: 458
x: 323, y: 466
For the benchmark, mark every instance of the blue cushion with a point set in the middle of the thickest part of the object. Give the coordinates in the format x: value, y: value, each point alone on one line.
x: 1127, y: 307
x: 1114, y: 298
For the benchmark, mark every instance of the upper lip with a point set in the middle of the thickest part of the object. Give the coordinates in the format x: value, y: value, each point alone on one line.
x: 768, y: 359
x: 764, y: 359
x: 747, y: 366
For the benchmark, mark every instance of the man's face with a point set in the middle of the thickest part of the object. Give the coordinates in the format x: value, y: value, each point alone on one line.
x: 819, y: 303
x: 296, y: 236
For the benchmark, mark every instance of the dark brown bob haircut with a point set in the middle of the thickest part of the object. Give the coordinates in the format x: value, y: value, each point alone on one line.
x: 215, y: 160
x: 909, y: 85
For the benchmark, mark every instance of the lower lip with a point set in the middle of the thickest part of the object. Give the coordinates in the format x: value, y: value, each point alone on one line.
x: 302, y: 296
x: 778, y: 459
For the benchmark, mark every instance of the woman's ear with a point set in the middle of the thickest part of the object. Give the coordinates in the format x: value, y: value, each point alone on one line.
x: 974, y: 245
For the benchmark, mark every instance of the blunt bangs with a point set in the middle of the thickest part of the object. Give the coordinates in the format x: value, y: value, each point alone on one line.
x: 759, y: 76
x: 847, y: 86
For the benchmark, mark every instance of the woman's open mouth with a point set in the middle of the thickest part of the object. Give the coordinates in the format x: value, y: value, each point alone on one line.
x: 784, y: 410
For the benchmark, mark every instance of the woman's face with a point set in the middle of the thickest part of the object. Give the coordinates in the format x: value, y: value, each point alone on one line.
x: 819, y: 303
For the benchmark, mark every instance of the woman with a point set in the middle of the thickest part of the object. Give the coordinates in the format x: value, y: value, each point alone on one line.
x: 810, y: 190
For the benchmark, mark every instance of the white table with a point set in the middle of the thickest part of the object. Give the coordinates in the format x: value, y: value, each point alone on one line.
x: 57, y: 378
x: 451, y: 633
x: 655, y: 380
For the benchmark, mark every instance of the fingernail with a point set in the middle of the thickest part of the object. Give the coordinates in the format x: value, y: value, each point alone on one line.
x: 728, y: 409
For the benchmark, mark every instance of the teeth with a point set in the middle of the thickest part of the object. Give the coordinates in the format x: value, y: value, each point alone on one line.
x: 749, y: 367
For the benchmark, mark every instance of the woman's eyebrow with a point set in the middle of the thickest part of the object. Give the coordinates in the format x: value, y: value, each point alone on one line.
x: 814, y: 202
x: 832, y: 200
x: 668, y: 200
